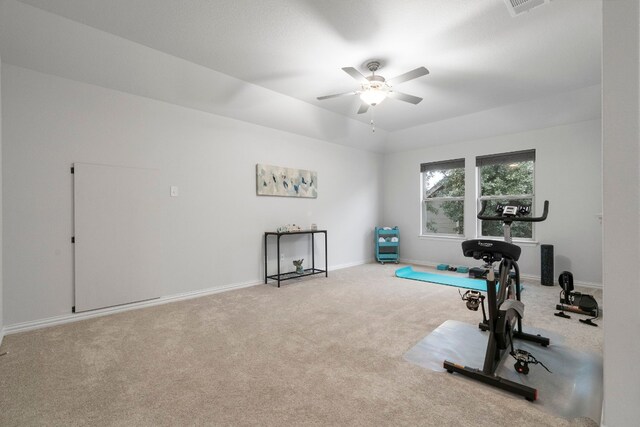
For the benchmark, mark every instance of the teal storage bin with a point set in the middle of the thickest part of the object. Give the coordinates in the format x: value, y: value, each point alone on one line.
x: 387, y: 244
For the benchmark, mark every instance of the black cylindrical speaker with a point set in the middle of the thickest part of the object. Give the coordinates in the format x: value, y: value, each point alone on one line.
x: 546, y: 267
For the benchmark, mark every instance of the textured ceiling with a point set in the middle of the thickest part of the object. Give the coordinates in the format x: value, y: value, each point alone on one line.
x: 480, y: 58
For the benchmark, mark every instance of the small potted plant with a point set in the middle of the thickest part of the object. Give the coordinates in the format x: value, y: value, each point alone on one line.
x: 298, y: 264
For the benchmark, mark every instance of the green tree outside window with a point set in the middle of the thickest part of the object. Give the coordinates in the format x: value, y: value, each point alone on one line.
x: 506, y: 179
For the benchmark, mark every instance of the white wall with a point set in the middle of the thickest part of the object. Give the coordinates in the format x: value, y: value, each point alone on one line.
x: 577, y: 105
x: 216, y: 227
x: 621, y: 185
x: 567, y: 173
x: 1, y: 234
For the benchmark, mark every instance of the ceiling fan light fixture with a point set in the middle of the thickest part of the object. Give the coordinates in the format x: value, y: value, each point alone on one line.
x: 373, y: 96
x: 374, y: 88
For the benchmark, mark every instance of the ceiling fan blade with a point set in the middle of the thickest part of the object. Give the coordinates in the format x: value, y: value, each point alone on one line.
x: 337, y: 95
x: 409, y: 75
x: 363, y: 108
x: 404, y: 97
x: 355, y: 74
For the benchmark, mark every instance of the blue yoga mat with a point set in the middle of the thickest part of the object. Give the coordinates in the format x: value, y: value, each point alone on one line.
x: 442, y: 279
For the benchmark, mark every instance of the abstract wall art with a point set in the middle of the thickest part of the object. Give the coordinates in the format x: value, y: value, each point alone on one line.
x: 287, y: 182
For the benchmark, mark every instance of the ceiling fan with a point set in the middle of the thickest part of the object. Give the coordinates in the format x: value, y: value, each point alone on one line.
x: 374, y: 88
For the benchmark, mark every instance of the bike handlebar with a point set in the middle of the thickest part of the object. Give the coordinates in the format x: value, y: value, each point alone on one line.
x: 515, y: 218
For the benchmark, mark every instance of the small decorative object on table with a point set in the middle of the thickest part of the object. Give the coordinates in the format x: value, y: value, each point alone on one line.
x: 298, y: 264
x: 289, y: 228
x: 314, y: 227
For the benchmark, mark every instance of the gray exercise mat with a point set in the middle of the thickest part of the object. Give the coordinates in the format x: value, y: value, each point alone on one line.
x: 574, y: 389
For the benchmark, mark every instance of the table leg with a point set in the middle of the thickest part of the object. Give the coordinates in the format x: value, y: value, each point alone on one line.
x: 326, y: 261
x: 313, y: 254
x: 278, y: 260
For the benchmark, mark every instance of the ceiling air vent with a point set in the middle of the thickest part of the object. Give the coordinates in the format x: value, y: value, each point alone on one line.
x: 516, y: 7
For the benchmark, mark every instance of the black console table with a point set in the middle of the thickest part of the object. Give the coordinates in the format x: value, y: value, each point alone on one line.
x: 293, y: 275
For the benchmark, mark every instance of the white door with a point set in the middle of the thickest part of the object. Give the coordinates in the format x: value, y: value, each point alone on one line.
x: 117, y: 225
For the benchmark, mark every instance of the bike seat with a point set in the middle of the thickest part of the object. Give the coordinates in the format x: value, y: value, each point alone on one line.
x: 494, y: 249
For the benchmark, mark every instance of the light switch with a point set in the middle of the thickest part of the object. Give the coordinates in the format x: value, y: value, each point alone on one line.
x: 174, y: 191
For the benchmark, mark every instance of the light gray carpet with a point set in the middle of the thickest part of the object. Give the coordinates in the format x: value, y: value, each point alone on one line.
x: 315, y: 352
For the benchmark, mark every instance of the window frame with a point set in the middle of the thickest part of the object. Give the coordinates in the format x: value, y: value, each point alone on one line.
x: 431, y: 166
x: 480, y: 199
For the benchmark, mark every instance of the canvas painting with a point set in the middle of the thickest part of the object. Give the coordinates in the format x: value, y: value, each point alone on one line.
x: 287, y: 182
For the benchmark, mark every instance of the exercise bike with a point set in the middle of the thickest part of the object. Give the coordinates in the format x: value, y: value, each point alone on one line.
x: 505, y: 310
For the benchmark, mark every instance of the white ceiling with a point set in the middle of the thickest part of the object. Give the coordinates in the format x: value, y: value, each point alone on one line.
x: 480, y: 58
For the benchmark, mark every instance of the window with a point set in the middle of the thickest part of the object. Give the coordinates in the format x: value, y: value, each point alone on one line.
x: 442, y: 209
x: 506, y: 179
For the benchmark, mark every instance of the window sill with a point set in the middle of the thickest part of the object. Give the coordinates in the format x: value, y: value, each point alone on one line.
x: 443, y: 237
x: 517, y: 242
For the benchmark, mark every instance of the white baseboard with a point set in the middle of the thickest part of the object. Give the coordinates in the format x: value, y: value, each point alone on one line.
x: 74, y: 317
x: 528, y: 277
x: 589, y: 285
x: 350, y: 264
x: 418, y: 262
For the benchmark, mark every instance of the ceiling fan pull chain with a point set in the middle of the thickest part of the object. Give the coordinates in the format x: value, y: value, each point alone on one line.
x: 373, y: 127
